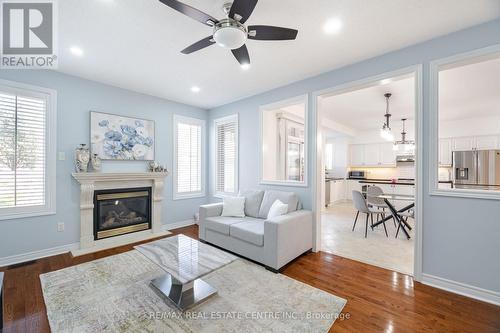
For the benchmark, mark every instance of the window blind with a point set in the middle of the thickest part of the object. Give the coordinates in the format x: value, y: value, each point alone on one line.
x: 188, y: 159
x: 226, y: 132
x: 22, y: 150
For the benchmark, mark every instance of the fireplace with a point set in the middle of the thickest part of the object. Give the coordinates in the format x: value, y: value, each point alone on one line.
x: 121, y: 211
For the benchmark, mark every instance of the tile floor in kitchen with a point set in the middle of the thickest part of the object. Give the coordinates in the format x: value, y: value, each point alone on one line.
x: 377, y: 249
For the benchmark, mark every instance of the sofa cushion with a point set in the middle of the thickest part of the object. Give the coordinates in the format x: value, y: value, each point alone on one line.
x: 221, y: 223
x: 277, y: 209
x: 253, y: 200
x: 233, y: 207
x: 251, y: 231
x: 270, y: 197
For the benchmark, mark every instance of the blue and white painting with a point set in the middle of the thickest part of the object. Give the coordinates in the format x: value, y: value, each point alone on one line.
x: 114, y: 137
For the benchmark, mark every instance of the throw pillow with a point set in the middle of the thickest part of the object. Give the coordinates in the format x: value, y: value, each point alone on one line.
x: 233, y: 206
x: 277, y: 209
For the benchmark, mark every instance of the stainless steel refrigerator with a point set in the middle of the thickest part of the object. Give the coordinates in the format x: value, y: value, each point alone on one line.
x: 477, y: 169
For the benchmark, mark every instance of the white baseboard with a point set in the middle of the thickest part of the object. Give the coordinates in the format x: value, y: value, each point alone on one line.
x: 180, y: 224
x: 29, y: 256
x: 463, y: 289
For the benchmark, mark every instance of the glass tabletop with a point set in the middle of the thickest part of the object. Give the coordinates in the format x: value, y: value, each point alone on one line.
x: 186, y: 259
x: 402, y: 197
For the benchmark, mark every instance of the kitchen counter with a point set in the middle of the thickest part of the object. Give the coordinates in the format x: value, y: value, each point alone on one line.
x: 397, y: 182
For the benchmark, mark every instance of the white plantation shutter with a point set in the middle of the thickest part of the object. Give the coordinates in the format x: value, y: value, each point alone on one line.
x: 226, y: 159
x: 189, y: 164
x: 23, y: 152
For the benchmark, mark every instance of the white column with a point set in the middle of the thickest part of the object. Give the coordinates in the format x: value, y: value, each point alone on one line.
x: 87, y: 214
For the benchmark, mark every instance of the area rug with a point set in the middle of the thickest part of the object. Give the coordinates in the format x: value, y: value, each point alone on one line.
x: 113, y: 295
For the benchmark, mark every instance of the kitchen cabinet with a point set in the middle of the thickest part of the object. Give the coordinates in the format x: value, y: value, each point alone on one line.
x: 337, y: 190
x: 387, y: 154
x: 483, y: 142
x: 465, y: 143
x: 372, y: 155
x: 445, y: 152
x: 396, y: 189
x: 352, y: 185
x: 357, y: 155
x: 444, y: 186
x: 486, y: 142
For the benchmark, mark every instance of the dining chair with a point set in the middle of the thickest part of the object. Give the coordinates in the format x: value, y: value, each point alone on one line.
x: 361, y: 205
x: 405, y: 215
x: 372, y: 193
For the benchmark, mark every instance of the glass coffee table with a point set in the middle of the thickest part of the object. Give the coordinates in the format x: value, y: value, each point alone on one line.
x: 185, y: 261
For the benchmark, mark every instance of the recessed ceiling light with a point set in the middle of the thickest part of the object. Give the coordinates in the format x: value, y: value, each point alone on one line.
x: 245, y: 67
x: 76, y: 51
x: 332, y: 26
x: 195, y: 89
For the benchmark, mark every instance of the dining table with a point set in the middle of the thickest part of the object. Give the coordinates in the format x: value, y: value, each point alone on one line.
x: 396, y: 213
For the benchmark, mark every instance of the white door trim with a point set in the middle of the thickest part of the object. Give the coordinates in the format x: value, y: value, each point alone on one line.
x: 316, y: 132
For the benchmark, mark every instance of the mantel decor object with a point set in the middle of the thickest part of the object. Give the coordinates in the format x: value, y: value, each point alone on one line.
x: 156, y: 167
x: 82, y: 158
x: 96, y: 163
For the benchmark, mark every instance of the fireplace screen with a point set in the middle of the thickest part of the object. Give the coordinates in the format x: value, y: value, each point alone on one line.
x: 118, y: 212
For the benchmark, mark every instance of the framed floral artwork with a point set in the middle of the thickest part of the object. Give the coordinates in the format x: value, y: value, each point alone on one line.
x: 114, y: 137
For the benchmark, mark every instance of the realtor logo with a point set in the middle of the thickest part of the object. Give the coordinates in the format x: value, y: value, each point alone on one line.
x: 28, y: 34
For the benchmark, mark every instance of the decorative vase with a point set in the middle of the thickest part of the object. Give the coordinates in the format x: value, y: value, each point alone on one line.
x: 96, y: 163
x: 82, y: 157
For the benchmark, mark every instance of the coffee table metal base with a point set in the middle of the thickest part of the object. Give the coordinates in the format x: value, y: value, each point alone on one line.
x: 183, y: 296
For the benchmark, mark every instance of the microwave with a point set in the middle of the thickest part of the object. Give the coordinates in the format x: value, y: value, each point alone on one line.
x: 357, y: 175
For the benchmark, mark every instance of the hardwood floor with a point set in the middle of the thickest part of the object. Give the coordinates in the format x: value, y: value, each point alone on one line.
x: 378, y: 300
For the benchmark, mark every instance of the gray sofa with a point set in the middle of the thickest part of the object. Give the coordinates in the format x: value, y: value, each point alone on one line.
x: 274, y: 242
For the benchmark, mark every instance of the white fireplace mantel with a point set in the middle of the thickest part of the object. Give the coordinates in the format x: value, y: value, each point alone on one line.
x: 89, y: 182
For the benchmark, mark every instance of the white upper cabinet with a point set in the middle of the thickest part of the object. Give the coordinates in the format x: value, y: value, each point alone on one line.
x: 465, y: 143
x: 387, y: 154
x: 372, y: 154
x: 475, y: 143
x: 486, y: 142
x: 357, y: 155
x: 445, y: 152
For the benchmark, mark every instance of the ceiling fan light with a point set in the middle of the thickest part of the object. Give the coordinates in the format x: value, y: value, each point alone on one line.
x: 230, y: 37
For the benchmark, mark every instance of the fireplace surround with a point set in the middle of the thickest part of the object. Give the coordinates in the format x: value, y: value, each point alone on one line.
x: 92, y: 183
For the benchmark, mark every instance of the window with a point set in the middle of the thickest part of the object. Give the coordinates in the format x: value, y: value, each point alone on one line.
x: 466, y: 128
x: 27, y: 150
x: 329, y: 156
x: 188, y: 157
x: 226, y: 155
x: 283, y: 148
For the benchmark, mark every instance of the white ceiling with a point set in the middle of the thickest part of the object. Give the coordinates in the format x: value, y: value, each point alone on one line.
x: 465, y: 92
x: 364, y: 109
x: 136, y: 44
x: 470, y: 91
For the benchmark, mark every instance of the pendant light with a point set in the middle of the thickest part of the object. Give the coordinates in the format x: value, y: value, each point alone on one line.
x: 386, y: 132
x: 407, y: 146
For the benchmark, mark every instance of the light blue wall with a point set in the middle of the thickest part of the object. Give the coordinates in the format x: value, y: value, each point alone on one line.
x: 75, y: 98
x: 460, y: 236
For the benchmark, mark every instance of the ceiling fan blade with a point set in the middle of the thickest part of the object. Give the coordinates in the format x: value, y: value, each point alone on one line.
x: 193, y: 13
x: 242, y: 55
x: 205, y: 42
x: 243, y: 8
x: 267, y: 32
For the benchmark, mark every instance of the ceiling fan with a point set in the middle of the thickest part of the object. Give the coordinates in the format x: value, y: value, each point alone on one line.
x: 231, y: 32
